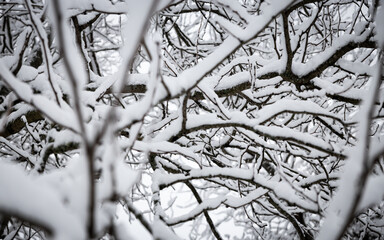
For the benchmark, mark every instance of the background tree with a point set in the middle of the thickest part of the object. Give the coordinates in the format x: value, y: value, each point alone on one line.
x: 191, y: 119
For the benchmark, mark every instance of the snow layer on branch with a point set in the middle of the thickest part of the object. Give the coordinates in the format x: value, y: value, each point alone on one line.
x: 23, y: 196
x: 379, y: 27
x: 278, y: 133
x: 162, y: 231
x: 281, y: 189
x: 42, y: 103
x: 337, y: 89
x: 191, y: 77
x: 297, y: 106
x: 27, y: 73
x: 373, y: 192
x: 356, y: 171
x: 302, y: 69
